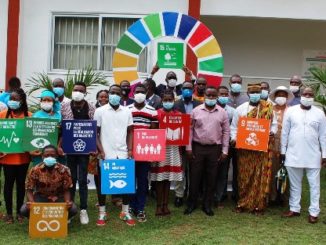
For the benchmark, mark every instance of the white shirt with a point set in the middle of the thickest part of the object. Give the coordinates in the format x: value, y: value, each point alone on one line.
x: 303, y: 137
x: 242, y: 111
x: 114, y: 125
x: 231, y: 111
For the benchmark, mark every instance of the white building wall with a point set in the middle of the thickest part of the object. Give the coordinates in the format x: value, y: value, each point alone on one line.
x: 3, y: 40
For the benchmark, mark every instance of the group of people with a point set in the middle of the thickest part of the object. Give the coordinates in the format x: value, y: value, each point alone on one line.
x: 198, y: 171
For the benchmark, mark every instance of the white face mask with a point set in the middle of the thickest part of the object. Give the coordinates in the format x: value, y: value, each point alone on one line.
x: 46, y: 106
x: 280, y: 100
x: 307, y: 102
x: 77, y: 96
x: 294, y: 89
x: 140, y: 98
x: 172, y: 83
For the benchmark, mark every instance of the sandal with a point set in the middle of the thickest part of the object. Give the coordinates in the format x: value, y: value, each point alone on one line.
x: 238, y: 210
x: 166, y: 210
x: 159, y: 211
x: 20, y: 218
x: 9, y: 219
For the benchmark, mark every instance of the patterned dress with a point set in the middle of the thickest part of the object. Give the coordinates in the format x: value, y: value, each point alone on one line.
x: 171, y: 168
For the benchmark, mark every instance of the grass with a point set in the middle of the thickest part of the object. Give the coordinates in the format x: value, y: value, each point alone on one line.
x: 226, y: 227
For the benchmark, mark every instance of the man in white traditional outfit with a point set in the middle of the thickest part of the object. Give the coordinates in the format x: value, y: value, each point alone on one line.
x: 303, y: 147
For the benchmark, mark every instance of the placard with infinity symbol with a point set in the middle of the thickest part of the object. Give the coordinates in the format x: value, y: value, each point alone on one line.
x: 48, y: 220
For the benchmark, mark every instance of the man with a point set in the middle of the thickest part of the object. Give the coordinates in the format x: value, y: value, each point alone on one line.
x: 152, y: 99
x: 185, y: 105
x: 210, y: 135
x: 295, y: 86
x: 14, y: 83
x: 49, y: 181
x: 253, y: 166
x: 200, y: 87
x: 265, y: 90
x: 125, y: 91
x: 59, y: 89
x: 223, y: 168
x: 171, y: 84
x: 303, y: 147
x: 114, y: 141
x: 236, y: 97
x: 144, y: 116
x: 78, y: 109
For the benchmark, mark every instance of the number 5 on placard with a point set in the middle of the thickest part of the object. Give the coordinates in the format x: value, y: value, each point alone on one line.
x: 68, y: 125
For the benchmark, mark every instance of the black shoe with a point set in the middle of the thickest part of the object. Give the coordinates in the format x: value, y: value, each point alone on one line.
x: 189, y: 210
x: 208, y: 211
x: 178, y: 202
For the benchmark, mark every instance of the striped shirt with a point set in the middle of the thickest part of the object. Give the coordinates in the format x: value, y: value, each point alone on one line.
x: 144, y: 117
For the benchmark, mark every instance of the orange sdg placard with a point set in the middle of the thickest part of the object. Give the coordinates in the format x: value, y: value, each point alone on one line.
x: 253, y: 134
x: 48, y: 220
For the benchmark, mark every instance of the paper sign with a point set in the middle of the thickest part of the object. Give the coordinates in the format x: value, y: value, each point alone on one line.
x: 118, y: 176
x: 11, y: 135
x: 39, y: 133
x: 48, y: 220
x: 177, y: 128
x: 149, y: 145
x: 253, y: 134
x: 170, y: 55
x: 79, y: 136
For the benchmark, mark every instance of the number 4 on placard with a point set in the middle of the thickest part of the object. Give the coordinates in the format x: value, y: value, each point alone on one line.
x: 68, y: 125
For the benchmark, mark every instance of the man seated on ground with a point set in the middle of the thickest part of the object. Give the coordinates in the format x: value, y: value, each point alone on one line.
x: 49, y: 181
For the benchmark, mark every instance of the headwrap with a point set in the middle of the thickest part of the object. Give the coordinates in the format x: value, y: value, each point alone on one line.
x: 252, y: 87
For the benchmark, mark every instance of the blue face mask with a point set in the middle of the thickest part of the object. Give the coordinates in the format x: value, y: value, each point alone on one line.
x: 264, y: 94
x: 168, y: 105
x: 236, y: 87
x: 186, y: 93
x: 210, y: 102
x: 114, y: 99
x: 13, y: 105
x: 254, y: 98
x: 50, y: 161
x: 59, y: 91
x: 223, y: 100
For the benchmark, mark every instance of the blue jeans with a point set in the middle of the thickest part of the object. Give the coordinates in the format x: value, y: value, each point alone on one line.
x: 138, y: 200
x: 78, y: 167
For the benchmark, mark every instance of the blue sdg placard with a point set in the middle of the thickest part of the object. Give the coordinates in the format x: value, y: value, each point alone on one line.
x: 79, y: 136
x: 118, y: 176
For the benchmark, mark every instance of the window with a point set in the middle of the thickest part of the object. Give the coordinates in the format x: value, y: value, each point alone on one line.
x: 84, y: 41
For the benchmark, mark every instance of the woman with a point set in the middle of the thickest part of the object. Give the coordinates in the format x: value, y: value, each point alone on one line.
x: 170, y: 169
x: 280, y: 96
x: 15, y: 165
x: 50, y: 109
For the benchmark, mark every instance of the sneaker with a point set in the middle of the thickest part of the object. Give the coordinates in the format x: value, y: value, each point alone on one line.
x: 102, y: 217
x: 132, y: 211
x: 84, y: 220
x: 127, y: 218
x: 141, y: 217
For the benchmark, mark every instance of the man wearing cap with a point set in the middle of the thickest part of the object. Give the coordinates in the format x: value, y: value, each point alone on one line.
x: 280, y: 96
x: 295, y: 85
x: 254, y: 166
x: 303, y: 148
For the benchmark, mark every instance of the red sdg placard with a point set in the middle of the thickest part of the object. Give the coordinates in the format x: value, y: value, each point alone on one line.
x: 149, y: 145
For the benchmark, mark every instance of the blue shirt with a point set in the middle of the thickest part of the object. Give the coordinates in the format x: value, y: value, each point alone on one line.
x: 4, y: 97
x: 43, y: 114
x: 295, y: 101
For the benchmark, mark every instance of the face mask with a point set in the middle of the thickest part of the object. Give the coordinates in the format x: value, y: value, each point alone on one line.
x: 186, y: 93
x: 114, y: 99
x: 264, y: 94
x: 49, y: 161
x: 280, y: 100
x: 77, y: 96
x: 254, y: 98
x: 200, y: 90
x: 46, y: 106
x: 140, y: 98
x: 294, y: 89
x: 172, y: 83
x: 13, y: 105
x: 125, y: 91
x: 168, y: 105
x: 236, y: 87
x: 307, y: 102
x: 210, y: 102
x: 223, y: 100
x: 59, y: 91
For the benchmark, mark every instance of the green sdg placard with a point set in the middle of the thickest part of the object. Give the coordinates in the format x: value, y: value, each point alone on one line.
x: 40, y: 132
x: 11, y: 135
x: 170, y: 55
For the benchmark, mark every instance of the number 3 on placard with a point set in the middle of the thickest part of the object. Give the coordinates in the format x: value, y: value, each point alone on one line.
x: 68, y: 125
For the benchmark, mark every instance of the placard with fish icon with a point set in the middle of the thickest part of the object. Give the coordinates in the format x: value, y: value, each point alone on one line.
x: 117, y: 176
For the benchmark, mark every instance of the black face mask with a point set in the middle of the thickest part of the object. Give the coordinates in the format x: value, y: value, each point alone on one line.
x: 200, y: 90
x: 125, y: 91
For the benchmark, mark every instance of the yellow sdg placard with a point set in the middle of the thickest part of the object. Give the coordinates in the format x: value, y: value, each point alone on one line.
x: 48, y: 220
